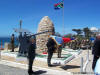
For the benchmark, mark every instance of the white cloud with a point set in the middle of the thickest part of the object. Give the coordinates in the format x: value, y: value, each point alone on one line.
x: 94, y: 29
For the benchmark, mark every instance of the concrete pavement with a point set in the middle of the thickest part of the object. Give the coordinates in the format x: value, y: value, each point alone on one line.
x: 13, y: 68
x: 73, y: 66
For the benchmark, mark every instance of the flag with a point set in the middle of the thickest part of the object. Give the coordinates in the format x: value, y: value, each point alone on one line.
x: 66, y: 40
x: 58, y: 5
x: 57, y: 39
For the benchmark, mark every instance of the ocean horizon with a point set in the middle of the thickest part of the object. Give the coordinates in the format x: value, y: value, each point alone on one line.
x: 7, y: 40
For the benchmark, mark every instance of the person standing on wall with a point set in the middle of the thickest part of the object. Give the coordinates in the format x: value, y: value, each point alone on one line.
x: 96, y: 51
x: 12, y: 42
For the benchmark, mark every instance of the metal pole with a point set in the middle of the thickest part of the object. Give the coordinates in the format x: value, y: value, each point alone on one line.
x: 63, y: 19
x: 81, y: 65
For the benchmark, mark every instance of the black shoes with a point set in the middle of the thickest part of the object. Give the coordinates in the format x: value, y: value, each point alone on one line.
x: 31, y: 72
x: 49, y: 65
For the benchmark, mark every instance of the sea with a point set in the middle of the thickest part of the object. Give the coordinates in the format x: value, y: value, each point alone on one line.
x: 7, y: 40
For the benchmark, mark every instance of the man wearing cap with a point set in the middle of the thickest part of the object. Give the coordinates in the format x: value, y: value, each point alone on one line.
x: 31, y: 55
x: 96, y: 51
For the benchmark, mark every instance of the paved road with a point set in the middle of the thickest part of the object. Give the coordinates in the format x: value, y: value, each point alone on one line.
x: 8, y: 70
x: 13, y: 68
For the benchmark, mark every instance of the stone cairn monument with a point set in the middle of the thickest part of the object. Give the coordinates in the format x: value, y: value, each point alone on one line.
x: 41, y: 40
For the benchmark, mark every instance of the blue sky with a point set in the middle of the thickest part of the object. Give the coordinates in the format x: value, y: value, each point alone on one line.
x: 77, y: 14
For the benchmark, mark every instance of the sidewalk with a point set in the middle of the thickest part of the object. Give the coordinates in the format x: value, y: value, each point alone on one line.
x: 45, y: 71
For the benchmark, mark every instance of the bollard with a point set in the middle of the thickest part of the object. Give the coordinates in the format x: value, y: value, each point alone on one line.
x: 81, y: 65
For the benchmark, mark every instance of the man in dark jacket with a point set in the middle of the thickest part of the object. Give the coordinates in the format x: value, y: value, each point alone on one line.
x: 96, y: 51
x: 25, y: 44
x: 51, y: 48
x: 31, y: 55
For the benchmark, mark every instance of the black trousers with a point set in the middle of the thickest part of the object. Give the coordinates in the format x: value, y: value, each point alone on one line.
x: 50, y: 54
x: 30, y: 64
x: 94, y: 62
x: 59, y: 52
x: 12, y: 46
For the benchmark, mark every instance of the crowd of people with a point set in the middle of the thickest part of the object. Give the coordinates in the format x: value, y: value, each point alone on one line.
x: 80, y: 44
x: 28, y: 45
x: 23, y: 44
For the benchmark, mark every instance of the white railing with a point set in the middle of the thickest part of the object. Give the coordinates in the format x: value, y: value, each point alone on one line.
x: 83, y: 66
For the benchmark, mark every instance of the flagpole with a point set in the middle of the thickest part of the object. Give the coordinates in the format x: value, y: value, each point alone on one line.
x: 58, y: 6
x: 63, y: 19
